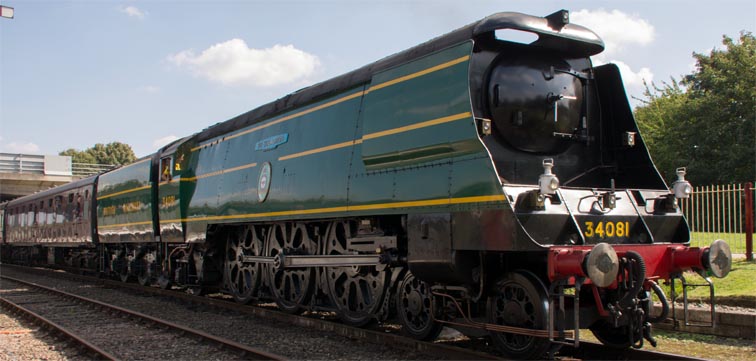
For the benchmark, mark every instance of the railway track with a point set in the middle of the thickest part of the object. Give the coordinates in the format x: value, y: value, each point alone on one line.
x: 411, y: 348
x: 108, y: 330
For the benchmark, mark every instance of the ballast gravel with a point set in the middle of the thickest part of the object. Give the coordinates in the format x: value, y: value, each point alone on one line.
x: 21, y: 341
x: 279, y: 338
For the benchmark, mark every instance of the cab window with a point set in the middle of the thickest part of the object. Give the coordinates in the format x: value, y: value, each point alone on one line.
x: 165, y: 169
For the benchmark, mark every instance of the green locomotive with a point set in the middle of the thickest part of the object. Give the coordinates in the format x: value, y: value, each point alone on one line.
x: 471, y: 181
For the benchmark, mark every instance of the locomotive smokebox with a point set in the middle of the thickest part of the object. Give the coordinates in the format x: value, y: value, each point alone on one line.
x: 531, y: 97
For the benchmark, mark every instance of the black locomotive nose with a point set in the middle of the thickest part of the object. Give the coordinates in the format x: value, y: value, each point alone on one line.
x: 531, y: 98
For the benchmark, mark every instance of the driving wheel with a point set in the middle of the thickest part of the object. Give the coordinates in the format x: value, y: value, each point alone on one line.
x: 358, y: 292
x: 242, y: 279
x: 292, y: 287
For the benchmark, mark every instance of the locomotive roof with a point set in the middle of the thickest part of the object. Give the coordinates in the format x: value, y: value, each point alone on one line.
x: 573, y: 40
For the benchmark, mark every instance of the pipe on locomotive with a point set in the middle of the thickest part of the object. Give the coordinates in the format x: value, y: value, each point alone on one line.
x: 600, y: 264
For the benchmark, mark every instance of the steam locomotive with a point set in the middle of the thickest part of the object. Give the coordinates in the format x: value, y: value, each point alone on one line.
x: 473, y: 181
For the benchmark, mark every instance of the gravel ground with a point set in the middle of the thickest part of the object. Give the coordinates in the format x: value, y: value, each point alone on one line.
x: 274, y: 337
x: 19, y: 341
x: 125, y: 338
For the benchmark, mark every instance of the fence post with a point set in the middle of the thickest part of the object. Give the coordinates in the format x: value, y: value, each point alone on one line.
x: 749, y: 220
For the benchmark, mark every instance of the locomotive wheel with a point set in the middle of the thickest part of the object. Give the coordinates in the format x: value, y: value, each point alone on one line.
x: 124, y: 275
x: 357, y: 292
x: 145, y: 268
x: 144, y: 276
x: 619, y: 337
x: 413, y: 303
x: 243, y: 279
x: 292, y: 287
x: 120, y: 268
x: 519, y: 299
x: 615, y: 337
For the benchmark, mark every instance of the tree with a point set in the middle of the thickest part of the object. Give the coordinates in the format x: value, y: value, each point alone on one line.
x: 112, y: 153
x: 706, y: 121
x: 78, y: 156
x: 115, y: 153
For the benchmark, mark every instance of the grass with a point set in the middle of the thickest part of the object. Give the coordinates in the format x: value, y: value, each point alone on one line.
x: 704, y: 239
x: 737, y: 289
x: 703, y: 346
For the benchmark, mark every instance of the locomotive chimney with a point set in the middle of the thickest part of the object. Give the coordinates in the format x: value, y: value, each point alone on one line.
x: 558, y: 19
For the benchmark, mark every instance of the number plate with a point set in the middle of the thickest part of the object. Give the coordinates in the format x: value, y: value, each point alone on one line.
x: 606, y: 229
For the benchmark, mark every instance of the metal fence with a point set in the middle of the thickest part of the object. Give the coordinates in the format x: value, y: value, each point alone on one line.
x: 721, y: 212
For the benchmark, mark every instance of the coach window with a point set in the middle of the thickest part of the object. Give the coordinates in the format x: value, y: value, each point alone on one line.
x: 50, y: 212
x: 85, y: 209
x: 59, y: 209
x: 41, y: 213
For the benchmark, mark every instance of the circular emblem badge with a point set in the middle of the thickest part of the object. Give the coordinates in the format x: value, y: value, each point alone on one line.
x: 263, y: 182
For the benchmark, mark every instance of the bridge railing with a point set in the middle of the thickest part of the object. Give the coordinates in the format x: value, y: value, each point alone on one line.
x: 22, y: 163
x: 85, y: 169
x: 48, y: 165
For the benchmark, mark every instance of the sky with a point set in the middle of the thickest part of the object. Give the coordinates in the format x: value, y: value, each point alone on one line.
x: 77, y: 73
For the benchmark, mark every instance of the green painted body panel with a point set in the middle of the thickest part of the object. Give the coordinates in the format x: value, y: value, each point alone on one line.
x: 226, y: 189
x: 428, y: 163
x: 439, y: 94
x: 171, y: 228
x: 124, y: 204
x: 406, y: 142
x: 170, y: 213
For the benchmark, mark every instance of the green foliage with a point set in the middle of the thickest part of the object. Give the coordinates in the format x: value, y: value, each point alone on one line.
x: 707, y: 121
x: 115, y: 153
x: 79, y: 156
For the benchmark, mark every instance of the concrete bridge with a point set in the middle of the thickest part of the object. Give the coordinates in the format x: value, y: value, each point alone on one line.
x: 22, y: 174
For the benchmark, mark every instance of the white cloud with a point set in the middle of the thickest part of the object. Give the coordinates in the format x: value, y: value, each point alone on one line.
x: 157, y: 143
x: 234, y: 63
x: 133, y: 12
x: 617, y: 29
x: 20, y: 147
x: 621, y: 33
x: 633, y: 78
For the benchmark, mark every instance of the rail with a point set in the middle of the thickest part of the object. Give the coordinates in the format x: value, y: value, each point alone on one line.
x: 247, y: 352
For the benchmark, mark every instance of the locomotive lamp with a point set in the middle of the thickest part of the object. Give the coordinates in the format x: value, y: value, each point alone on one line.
x: 681, y: 188
x: 548, y: 183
